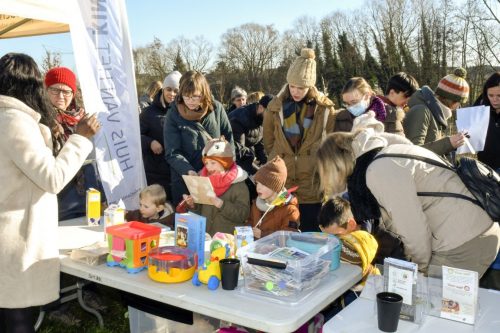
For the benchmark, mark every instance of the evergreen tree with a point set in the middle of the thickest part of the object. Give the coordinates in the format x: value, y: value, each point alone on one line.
x: 351, y: 60
x: 409, y: 64
x: 426, y: 66
x: 320, y: 71
x: 179, y: 64
x: 371, y: 69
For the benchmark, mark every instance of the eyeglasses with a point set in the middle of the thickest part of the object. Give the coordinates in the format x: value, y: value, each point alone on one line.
x: 57, y: 91
x: 175, y: 91
x: 192, y: 98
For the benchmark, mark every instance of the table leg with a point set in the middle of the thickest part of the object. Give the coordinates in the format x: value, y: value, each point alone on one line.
x: 80, y: 284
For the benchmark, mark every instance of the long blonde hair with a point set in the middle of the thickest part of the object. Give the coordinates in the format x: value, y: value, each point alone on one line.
x: 335, y: 162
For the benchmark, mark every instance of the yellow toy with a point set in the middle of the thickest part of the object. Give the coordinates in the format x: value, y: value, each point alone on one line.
x: 209, y: 274
x: 171, y: 264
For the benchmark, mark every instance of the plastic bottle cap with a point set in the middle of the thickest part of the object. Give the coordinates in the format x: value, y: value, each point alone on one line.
x: 269, y: 285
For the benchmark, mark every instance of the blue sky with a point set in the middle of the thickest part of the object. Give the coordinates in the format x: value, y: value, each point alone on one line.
x: 167, y: 19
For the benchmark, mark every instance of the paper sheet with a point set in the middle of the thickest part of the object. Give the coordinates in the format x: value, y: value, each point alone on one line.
x: 200, y: 189
x: 473, y: 120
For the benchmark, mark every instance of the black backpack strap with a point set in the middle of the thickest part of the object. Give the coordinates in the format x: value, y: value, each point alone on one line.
x: 444, y: 165
x: 449, y: 194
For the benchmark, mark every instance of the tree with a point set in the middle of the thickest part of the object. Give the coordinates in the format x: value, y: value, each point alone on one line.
x: 196, y: 52
x: 251, y: 49
x: 51, y: 60
x: 179, y: 64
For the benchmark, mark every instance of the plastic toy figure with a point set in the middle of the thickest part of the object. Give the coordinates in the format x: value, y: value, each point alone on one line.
x: 209, y: 274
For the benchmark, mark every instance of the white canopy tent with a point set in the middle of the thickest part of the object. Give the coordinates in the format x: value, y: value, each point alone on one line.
x: 103, y: 59
x: 16, y: 26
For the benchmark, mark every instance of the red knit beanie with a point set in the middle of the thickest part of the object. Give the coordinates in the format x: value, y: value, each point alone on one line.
x: 61, y: 75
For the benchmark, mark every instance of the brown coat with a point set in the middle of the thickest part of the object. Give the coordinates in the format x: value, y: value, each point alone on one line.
x: 284, y: 217
x: 301, y: 168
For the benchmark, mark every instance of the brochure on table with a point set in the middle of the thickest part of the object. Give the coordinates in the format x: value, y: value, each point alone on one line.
x: 453, y: 293
x: 401, y: 277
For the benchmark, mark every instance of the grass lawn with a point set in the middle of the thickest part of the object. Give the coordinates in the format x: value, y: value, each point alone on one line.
x: 115, y: 316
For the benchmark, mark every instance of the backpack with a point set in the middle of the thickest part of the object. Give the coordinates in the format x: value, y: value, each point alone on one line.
x: 481, y: 180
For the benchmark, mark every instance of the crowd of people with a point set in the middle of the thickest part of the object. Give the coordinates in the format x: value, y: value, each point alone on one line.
x: 326, y: 164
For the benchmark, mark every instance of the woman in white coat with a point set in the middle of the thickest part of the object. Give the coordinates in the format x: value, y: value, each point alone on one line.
x: 435, y: 231
x: 31, y: 176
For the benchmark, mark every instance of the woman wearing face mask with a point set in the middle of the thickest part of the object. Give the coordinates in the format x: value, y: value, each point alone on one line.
x: 358, y: 98
x: 295, y: 122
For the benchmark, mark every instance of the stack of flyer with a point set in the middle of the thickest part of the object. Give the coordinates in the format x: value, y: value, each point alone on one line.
x: 459, y: 297
x: 400, y: 277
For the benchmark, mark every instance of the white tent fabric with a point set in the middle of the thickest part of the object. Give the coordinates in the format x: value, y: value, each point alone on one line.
x: 103, y: 58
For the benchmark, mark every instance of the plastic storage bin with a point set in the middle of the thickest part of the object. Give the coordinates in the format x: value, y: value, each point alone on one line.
x: 276, y: 267
x: 303, y: 242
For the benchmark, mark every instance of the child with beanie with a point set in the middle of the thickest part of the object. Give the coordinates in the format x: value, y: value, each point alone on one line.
x: 267, y: 215
x: 427, y: 120
x: 295, y: 122
x: 231, y: 204
x: 153, y: 207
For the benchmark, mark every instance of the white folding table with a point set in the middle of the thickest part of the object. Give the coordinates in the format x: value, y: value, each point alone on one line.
x: 233, y: 306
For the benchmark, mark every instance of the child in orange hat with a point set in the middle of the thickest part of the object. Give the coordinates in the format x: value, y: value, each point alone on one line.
x: 230, y: 206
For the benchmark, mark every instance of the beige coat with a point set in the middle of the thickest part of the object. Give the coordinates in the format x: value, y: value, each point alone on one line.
x: 30, y: 178
x: 301, y: 166
x: 427, y: 225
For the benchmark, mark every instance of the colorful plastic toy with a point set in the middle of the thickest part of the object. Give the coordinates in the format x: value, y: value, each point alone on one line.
x: 210, y: 273
x: 130, y: 243
x: 171, y: 264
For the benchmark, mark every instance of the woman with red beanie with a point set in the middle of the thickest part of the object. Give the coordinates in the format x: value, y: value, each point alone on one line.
x: 60, y: 83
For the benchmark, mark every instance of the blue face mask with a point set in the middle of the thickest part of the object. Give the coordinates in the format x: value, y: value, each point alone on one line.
x: 359, y: 108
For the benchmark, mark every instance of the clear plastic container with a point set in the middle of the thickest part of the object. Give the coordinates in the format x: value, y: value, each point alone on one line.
x: 277, y: 266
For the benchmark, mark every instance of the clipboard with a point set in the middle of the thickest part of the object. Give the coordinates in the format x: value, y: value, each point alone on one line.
x: 200, y: 188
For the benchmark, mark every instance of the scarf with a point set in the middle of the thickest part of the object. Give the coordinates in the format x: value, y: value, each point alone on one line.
x: 297, y: 118
x: 221, y: 181
x: 364, y: 206
x: 377, y: 106
x: 190, y: 114
x: 69, y: 119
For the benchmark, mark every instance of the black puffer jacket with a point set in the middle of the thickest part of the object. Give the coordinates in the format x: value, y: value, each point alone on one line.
x: 151, y: 123
x: 247, y: 133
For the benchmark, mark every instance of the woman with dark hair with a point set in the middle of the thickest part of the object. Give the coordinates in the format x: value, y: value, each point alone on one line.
x: 31, y: 173
x: 194, y: 118
x: 491, y: 97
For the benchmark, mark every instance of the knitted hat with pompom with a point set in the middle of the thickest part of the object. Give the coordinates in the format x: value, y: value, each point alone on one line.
x: 302, y: 72
x: 454, y: 87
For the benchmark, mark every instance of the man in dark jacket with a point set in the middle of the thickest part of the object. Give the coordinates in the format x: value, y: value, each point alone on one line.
x: 151, y: 125
x: 246, y: 123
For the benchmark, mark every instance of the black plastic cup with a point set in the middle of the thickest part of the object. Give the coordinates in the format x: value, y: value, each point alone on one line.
x: 229, y: 270
x: 388, y: 309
